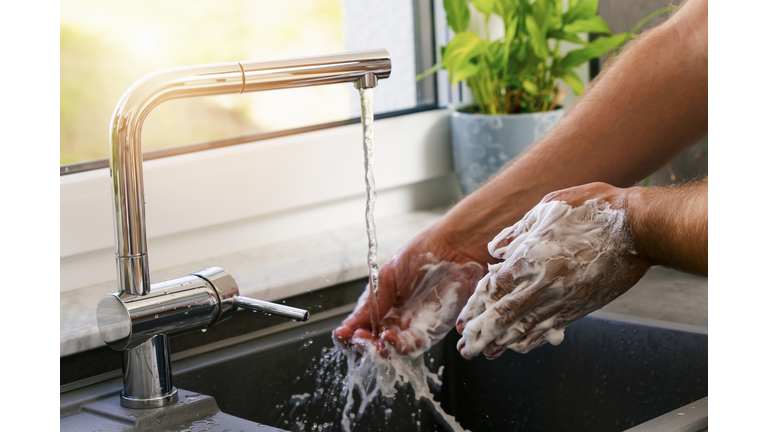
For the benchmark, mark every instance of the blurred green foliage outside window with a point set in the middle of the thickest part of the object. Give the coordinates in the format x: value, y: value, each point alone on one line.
x: 108, y: 45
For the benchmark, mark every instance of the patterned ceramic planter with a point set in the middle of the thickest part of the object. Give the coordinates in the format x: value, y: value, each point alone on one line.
x: 482, y: 144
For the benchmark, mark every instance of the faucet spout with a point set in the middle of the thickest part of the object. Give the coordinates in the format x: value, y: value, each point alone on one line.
x: 369, y: 80
x: 139, y: 100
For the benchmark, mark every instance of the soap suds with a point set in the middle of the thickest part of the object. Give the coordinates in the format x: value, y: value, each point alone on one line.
x: 554, y: 258
x: 435, y: 302
x: 354, y: 386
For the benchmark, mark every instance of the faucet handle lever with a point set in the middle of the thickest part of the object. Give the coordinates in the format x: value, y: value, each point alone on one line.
x: 230, y: 298
x: 271, y: 308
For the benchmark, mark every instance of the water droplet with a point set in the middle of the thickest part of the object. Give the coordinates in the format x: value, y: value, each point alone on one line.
x: 155, y: 315
x: 308, y: 343
x: 204, y: 330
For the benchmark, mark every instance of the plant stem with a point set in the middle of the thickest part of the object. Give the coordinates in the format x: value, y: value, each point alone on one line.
x: 517, y: 100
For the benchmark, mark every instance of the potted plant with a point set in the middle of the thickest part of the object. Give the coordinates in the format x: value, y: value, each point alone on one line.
x: 518, y: 79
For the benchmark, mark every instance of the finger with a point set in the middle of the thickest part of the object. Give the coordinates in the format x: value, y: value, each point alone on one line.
x: 525, y: 346
x: 503, y: 245
x: 493, y: 351
x: 544, y: 311
x: 363, y: 334
x: 381, y: 348
x: 516, y: 305
x: 343, y: 333
x: 405, y: 342
x: 359, y: 341
x: 476, y: 304
x: 544, y: 333
x: 460, y: 326
x: 361, y: 316
x: 478, y: 333
x: 495, y: 321
x: 512, y: 334
x: 411, y: 342
x: 391, y: 338
x: 461, y: 346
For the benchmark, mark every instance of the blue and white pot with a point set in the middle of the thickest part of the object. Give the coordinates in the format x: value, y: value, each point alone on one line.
x: 483, y: 144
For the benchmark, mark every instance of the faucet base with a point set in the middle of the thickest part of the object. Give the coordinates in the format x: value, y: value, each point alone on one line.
x: 156, y: 402
x: 147, y: 375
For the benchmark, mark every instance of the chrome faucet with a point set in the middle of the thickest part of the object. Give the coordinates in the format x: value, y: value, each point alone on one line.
x: 139, y: 318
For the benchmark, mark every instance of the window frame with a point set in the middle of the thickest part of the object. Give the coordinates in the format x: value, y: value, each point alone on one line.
x: 428, y: 97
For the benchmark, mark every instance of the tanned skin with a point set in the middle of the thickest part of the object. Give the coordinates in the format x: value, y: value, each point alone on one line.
x: 647, y: 108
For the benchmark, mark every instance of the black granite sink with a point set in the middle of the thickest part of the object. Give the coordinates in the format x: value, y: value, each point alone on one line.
x: 607, y: 375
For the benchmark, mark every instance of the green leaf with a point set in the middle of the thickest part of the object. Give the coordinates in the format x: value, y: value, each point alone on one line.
x: 522, y: 53
x: 496, y: 55
x: 555, y: 21
x: 584, y: 10
x: 593, y: 50
x: 430, y: 71
x: 485, y: 7
x: 561, y: 35
x: 530, y: 87
x: 594, y: 25
x: 538, y: 41
x: 457, y: 14
x: 514, y: 79
x: 464, y: 71
x: 540, y: 11
x: 505, y: 9
x: 572, y: 79
x: 511, y: 29
x: 463, y: 47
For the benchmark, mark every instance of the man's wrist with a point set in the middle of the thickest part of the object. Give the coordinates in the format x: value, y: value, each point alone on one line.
x: 636, y: 206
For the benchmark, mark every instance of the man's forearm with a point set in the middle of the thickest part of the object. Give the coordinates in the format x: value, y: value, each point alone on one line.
x: 647, y: 108
x: 670, y: 225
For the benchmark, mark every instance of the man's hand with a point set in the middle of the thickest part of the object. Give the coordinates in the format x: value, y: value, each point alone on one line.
x: 422, y: 288
x: 569, y: 256
x: 631, y: 121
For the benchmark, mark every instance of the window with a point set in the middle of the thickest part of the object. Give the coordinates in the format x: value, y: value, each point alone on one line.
x: 107, y: 46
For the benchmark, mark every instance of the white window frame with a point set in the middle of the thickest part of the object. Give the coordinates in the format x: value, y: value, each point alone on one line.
x: 209, y: 203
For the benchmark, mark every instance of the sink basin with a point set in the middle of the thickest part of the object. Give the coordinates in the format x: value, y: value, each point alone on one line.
x: 609, y: 374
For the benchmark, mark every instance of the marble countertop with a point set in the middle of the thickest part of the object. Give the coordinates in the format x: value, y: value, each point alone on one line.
x: 278, y: 271
x: 270, y: 272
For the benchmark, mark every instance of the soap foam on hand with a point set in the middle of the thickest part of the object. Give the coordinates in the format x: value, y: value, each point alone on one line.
x: 361, y: 380
x: 435, y: 301
x: 561, y: 263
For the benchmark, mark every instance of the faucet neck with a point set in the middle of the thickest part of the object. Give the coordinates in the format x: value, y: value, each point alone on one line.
x: 125, y: 162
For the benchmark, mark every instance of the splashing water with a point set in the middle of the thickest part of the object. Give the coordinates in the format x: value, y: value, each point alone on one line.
x: 359, y: 392
x: 366, y: 103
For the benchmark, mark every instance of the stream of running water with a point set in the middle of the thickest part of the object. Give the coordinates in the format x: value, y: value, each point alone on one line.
x: 366, y: 102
